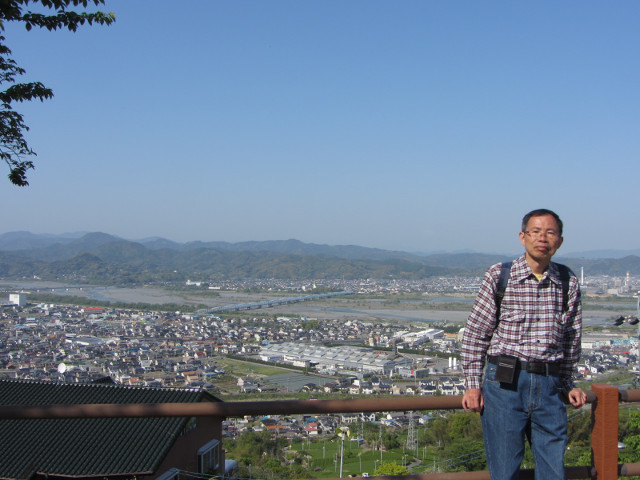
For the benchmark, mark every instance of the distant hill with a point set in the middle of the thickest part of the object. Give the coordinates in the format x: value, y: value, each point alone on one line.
x: 102, y: 258
x: 605, y: 266
x: 27, y: 240
x: 596, y: 254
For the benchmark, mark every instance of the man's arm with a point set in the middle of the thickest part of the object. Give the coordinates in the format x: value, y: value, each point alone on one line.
x: 572, y: 335
x: 478, y: 332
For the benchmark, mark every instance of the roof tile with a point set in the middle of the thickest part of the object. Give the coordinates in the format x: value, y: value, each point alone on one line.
x: 87, y: 446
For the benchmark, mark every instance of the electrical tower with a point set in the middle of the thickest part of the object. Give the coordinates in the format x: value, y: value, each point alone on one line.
x: 412, y: 442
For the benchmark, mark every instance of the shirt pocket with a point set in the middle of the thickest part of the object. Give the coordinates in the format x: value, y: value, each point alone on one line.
x: 511, y: 325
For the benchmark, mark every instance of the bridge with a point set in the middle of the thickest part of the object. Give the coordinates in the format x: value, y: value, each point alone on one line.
x: 271, y: 303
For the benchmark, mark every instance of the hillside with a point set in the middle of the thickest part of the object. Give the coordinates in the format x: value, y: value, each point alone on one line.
x: 106, y: 259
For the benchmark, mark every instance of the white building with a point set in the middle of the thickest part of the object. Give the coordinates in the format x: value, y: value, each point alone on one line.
x: 18, y: 299
x: 418, y: 338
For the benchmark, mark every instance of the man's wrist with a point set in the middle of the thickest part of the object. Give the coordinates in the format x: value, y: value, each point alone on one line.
x: 472, y: 383
x: 567, y: 384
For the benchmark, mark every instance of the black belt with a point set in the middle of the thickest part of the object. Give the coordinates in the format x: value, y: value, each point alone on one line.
x: 542, y: 368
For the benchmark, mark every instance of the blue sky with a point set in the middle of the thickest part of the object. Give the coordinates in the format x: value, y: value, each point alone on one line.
x: 415, y: 125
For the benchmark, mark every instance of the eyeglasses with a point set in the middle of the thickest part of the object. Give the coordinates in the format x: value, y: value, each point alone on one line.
x: 537, y: 233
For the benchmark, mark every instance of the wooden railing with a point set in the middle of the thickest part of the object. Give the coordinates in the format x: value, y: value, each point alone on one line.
x: 604, y: 400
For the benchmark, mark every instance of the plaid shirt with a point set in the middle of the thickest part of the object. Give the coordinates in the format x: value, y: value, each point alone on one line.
x: 532, y: 326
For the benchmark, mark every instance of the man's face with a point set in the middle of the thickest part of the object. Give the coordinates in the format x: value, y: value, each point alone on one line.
x: 541, y: 238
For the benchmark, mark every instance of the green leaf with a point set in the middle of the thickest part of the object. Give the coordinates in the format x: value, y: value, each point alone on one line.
x: 13, y: 146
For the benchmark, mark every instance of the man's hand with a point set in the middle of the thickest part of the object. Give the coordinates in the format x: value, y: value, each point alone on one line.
x: 577, y: 397
x: 473, y: 400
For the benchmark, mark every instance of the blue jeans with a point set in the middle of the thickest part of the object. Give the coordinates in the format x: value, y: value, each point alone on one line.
x: 530, y: 408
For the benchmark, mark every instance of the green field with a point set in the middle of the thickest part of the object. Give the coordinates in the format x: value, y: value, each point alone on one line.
x: 325, y: 454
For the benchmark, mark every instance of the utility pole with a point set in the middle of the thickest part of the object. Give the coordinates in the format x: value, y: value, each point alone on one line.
x: 344, y: 431
x: 341, y: 454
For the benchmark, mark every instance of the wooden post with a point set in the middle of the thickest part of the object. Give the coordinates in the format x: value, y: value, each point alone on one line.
x: 604, y: 436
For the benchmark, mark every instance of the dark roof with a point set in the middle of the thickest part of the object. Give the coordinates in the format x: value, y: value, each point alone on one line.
x: 92, y: 446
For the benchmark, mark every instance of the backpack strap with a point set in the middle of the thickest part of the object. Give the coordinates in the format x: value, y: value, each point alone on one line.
x: 501, y: 286
x: 565, y: 276
x: 505, y: 270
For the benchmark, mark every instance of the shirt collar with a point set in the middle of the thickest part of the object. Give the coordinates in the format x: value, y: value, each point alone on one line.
x: 520, y: 271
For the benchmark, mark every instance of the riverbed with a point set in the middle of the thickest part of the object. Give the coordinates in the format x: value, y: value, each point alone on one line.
x: 324, y: 309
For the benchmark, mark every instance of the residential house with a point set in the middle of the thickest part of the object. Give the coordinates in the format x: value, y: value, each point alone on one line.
x: 248, y: 384
x: 105, y: 448
x: 349, y: 418
x: 411, y: 390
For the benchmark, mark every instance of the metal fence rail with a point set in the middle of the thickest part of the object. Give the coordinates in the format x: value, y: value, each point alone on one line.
x: 604, y: 400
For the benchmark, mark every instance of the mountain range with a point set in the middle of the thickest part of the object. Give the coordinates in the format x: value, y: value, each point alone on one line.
x: 107, y: 259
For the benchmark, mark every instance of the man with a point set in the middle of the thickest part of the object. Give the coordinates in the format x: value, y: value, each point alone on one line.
x: 530, y: 353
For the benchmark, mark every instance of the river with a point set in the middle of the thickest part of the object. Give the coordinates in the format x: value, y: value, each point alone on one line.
x: 367, y: 310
